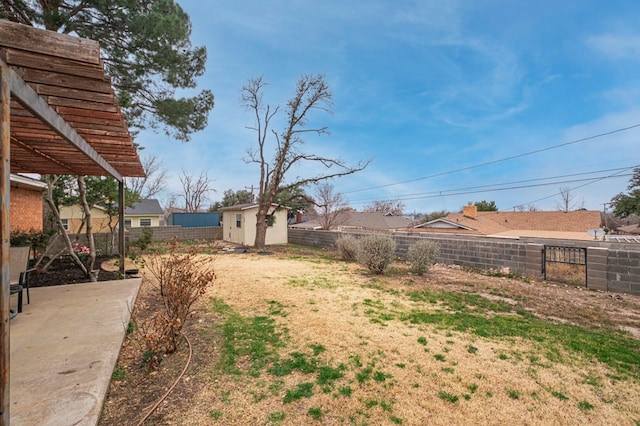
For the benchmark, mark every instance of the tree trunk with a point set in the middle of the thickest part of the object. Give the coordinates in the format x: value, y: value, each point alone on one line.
x: 89, y: 233
x: 261, y: 228
x: 63, y: 232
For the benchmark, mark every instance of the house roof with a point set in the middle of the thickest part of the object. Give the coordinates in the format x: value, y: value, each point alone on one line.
x: 543, y: 224
x: 362, y: 220
x: 145, y: 206
x: 18, y: 181
x: 629, y: 229
x: 64, y: 117
x: 247, y: 206
x: 374, y: 220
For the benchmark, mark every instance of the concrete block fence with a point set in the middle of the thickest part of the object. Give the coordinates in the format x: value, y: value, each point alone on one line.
x: 610, y: 266
x: 105, y: 241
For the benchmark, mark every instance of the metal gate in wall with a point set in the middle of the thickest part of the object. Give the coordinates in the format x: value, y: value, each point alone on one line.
x: 565, y: 264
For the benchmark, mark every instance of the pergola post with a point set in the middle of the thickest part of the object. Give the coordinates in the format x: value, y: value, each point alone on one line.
x: 5, y: 233
x: 121, y: 245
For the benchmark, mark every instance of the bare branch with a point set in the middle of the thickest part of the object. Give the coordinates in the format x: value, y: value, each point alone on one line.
x: 311, y: 94
x: 195, y: 190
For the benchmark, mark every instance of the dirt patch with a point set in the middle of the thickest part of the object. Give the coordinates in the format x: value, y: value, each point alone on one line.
x: 417, y: 373
x: 64, y: 271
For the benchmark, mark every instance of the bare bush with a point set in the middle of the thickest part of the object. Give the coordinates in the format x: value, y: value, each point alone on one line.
x: 347, y: 247
x: 376, y: 252
x: 182, y: 279
x: 422, y: 255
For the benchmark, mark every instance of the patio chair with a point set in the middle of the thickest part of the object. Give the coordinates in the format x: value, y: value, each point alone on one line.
x: 19, y: 272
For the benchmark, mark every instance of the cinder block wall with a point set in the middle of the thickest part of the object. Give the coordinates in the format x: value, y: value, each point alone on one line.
x: 623, y: 271
x: 610, y: 266
x: 26, y: 209
x: 105, y: 241
x: 165, y: 233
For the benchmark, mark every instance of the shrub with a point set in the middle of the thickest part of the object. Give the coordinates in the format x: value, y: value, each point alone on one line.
x: 422, y: 255
x: 144, y: 240
x: 347, y: 247
x: 376, y: 252
x: 183, y: 279
x: 38, y: 240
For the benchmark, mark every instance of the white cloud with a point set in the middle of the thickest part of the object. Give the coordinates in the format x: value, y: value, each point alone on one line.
x: 617, y: 46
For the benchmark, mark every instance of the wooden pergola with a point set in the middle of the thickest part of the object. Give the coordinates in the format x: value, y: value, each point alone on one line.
x: 58, y: 115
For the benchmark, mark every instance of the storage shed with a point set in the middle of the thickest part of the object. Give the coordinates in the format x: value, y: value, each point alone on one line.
x: 239, y: 224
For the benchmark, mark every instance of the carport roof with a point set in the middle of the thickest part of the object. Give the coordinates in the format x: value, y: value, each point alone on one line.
x: 64, y: 117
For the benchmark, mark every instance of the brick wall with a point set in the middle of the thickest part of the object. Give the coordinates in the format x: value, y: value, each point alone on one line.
x: 610, y: 266
x: 26, y: 209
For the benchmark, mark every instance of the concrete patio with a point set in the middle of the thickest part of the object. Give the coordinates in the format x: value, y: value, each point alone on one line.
x: 64, y: 347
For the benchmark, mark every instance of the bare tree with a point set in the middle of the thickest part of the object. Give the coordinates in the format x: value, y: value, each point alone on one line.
x: 394, y: 207
x: 331, y: 206
x: 49, y: 198
x: 154, y: 180
x: 171, y: 203
x: 195, y: 190
x: 567, y: 202
x: 311, y: 94
x: 527, y: 208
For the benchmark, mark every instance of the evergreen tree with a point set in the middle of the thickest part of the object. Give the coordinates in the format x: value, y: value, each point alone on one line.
x: 146, y: 51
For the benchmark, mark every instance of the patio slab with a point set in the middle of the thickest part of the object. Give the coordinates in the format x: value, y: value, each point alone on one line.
x: 64, y: 347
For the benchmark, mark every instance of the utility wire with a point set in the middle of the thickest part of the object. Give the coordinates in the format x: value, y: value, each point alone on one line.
x: 487, y: 187
x: 615, y: 175
x: 465, y: 192
x: 513, y: 157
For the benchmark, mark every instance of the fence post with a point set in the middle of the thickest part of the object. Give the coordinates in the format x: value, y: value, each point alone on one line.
x: 534, y: 261
x: 597, y: 268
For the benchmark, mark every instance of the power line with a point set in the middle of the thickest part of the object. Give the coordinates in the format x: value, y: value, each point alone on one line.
x: 447, y: 192
x: 513, y: 157
x: 510, y: 188
x: 615, y: 175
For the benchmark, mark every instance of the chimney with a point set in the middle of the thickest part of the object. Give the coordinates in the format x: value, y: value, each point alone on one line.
x: 470, y: 211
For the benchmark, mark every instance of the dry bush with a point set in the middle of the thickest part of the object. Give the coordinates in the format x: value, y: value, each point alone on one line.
x: 376, y: 252
x: 347, y: 247
x: 182, y: 278
x: 566, y: 273
x: 422, y: 255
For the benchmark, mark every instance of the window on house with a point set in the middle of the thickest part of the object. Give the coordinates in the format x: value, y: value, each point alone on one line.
x: 238, y: 221
x: 127, y: 223
x: 145, y: 221
x: 270, y: 219
x: 65, y: 224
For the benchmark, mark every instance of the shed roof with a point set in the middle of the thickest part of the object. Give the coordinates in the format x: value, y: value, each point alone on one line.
x: 64, y: 116
x: 248, y: 206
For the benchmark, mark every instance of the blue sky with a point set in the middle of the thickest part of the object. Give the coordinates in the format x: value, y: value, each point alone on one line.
x: 444, y: 96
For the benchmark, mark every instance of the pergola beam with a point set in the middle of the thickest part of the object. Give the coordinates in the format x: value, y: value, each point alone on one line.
x: 31, y: 101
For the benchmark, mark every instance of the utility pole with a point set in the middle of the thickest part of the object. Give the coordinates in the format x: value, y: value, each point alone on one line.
x: 251, y: 188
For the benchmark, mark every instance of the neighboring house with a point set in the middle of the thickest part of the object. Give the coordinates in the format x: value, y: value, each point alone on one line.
x: 361, y: 220
x: 572, y: 225
x: 239, y: 224
x: 140, y: 214
x: 72, y: 217
x: 193, y: 220
x: 143, y: 213
x: 629, y: 230
x: 26, y: 203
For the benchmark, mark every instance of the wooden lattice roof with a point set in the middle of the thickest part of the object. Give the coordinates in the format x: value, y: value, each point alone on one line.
x: 64, y: 116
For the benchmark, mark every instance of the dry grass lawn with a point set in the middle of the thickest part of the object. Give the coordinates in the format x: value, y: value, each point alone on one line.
x: 299, y: 337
